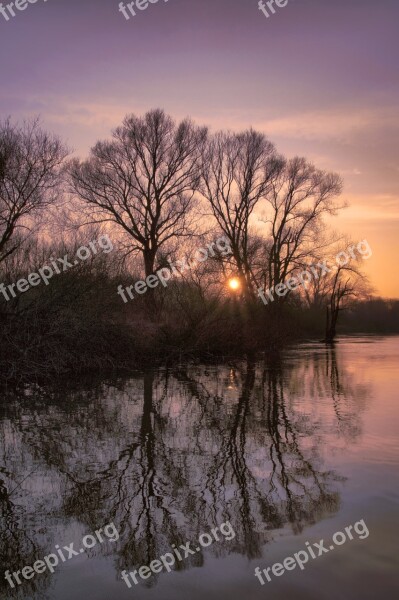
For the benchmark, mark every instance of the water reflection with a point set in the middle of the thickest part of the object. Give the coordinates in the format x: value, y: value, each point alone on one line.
x: 168, y: 454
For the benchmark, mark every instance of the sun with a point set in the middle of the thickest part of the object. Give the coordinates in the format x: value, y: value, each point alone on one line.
x: 234, y: 284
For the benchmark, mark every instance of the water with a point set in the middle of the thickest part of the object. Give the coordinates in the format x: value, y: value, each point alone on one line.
x: 287, y: 450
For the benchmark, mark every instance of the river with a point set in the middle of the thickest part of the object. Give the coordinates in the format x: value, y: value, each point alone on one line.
x: 287, y: 450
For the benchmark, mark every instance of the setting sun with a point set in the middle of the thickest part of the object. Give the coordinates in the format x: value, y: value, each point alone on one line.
x: 234, y: 284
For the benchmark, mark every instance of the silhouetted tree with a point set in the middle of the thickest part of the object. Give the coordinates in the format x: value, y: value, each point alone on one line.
x: 30, y: 169
x: 237, y: 172
x: 298, y: 199
x: 143, y: 181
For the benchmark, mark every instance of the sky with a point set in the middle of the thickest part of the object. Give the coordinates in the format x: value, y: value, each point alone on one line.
x: 318, y: 77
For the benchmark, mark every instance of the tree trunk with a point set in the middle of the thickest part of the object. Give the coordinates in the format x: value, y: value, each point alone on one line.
x: 331, y: 325
x: 149, y: 262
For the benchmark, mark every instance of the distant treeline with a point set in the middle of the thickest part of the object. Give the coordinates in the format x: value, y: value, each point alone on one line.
x: 371, y: 316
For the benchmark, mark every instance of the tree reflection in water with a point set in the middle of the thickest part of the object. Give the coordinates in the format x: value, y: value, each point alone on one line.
x: 169, y: 454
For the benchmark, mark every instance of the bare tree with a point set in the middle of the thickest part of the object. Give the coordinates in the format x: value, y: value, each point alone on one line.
x: 297, y: 201
x: 338, y: 285
x: 346, y: 284
x: 30, y: 176
x: 143, y: 181
x: 238, y: 170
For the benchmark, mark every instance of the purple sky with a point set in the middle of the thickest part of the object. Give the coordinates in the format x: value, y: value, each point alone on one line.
x: 319, y: 77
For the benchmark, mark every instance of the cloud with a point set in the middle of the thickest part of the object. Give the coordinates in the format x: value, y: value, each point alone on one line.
x: 332, y: 124
x: 375, y: 208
